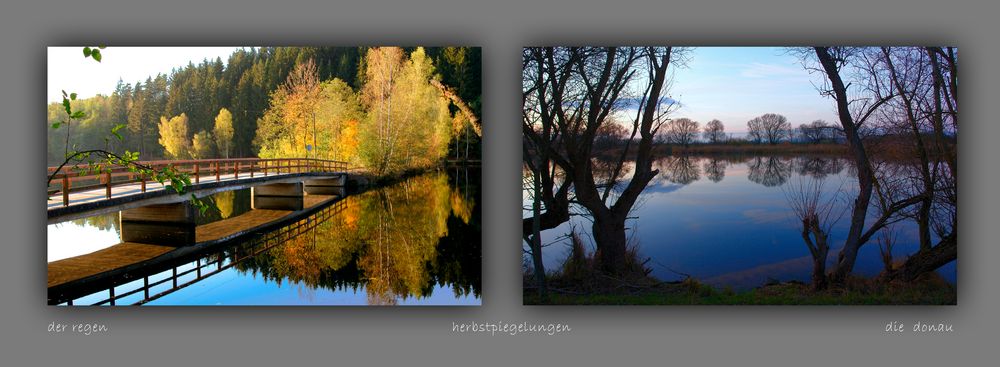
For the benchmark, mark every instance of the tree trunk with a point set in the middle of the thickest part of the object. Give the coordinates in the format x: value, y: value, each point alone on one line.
x: 536, y: 240
x: 848, y: 255
x: 609, y: 234
x: 818, y: 249
x: 927, y: 261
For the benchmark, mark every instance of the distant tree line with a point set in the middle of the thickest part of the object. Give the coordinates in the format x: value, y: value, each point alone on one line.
x: 770, y: 128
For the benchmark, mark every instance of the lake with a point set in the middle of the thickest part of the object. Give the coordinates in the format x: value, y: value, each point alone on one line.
x: 414, y: 242
x: 726, y: 221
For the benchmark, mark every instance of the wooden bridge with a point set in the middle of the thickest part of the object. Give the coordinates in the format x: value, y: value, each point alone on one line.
x: 72, y: 195
x: 158, y: 226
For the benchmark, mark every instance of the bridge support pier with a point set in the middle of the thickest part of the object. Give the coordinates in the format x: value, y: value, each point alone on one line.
x: 279, y: 196
x: 159, y: 224
x: 327, y: 186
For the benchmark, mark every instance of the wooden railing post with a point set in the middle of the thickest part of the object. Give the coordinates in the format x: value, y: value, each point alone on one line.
x: 107, y: 184
x: 251, y: 168
x: 196, y: 165
x: 236, y: 170
x: 65, y: 189
x: 217, y: 171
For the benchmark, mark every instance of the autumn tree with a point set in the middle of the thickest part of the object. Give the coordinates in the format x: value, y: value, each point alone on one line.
x: 223, y: 132
x: 289, y: 125
x: 409, y: 124
x: 202, y: 145
x: 174, y: 136
x: 715, y: 131
x: 383, y: 67
x: 338, y: 116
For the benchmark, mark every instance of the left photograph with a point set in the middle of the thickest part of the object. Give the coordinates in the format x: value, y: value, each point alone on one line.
x: 243, y: 176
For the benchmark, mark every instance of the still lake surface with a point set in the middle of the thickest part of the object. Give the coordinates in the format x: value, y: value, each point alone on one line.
x: 415, y: 242
x: 726, y: 221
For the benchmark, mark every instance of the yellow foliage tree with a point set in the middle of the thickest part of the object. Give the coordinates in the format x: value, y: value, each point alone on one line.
x: 223, y: 132
x: 202, y: 145
x: 408, y: 123
x: 174, y: 136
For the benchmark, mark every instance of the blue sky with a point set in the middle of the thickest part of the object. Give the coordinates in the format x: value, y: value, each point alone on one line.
x: 736, y: 84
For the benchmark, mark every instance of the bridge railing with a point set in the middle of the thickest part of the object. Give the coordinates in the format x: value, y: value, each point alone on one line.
x: 77, y: 178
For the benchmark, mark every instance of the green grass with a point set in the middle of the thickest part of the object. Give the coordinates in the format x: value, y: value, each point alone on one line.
x: 928, y: 291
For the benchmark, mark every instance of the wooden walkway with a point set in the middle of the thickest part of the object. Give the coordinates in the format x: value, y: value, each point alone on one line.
x: 130, y: 253
x: 120, y: 255
x: 75, y: 192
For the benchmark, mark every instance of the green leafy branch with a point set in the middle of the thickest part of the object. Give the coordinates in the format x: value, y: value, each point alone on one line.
x: 104, y: 160
x: 93, y: 52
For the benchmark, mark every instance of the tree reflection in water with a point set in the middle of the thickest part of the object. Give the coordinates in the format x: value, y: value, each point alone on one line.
x: 395, y: 242
x: 769, y: 171
x: 715, y: 169
x: 679, y: 169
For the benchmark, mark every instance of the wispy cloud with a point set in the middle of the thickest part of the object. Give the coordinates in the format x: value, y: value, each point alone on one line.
x: 765, y: 70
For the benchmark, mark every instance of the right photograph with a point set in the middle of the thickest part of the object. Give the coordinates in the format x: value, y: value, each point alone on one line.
x: 740, y: 175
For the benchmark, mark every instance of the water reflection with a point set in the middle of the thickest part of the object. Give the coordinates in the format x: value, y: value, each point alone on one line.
x: 413, y: 242
x: 715, y: 169
x: 395, y: 242
x: 770, y: 171
x: 725, y: 220
x: 680, y: 169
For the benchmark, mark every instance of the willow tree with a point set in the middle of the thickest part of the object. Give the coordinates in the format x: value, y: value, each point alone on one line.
x: 585, y: 88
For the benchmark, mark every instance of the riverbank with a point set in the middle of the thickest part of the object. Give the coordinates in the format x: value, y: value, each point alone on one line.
x: 928, y: 290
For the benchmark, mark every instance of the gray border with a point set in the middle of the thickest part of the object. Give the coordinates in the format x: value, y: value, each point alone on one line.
x: 709, y: 336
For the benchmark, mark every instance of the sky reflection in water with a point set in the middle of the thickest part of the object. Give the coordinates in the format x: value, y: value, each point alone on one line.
x: 727, y: 222
x: 416, y: 242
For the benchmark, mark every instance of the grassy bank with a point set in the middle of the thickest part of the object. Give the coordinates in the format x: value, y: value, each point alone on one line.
x: 930, y: 290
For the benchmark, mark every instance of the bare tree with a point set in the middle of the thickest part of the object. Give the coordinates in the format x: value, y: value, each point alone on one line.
x: 816, y: 132
x: 715, y: 131
x: 854, y: 112
x: 681, y: 131
x: 583, y: 87
x: 769, y: 127
x: 818, y: 215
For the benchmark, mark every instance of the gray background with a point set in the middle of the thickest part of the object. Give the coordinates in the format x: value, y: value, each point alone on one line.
x: 707, y: 336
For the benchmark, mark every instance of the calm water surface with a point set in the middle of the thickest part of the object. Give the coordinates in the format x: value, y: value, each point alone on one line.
x: 416, y: 242
x: 727, y: 221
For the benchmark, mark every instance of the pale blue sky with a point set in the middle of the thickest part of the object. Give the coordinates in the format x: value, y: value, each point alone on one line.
x: 68, y: 70
x: 736, y: 84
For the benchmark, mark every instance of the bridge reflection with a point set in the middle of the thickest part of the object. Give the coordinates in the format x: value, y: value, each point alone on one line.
x: 178, y: 262
x: 393, y: 244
